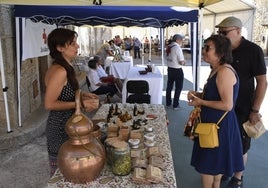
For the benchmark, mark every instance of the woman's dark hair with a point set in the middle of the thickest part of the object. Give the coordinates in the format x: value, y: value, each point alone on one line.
x: 111, y: 42
x: 61, y: 37
x: 92, y: 63
x: 97, y: 58
x: 223, y: 48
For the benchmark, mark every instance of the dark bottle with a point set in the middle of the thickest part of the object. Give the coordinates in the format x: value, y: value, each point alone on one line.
x: 135, y: 110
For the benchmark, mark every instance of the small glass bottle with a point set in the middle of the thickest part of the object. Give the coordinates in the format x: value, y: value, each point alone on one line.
x: 121, y: 161
x: 135, y: 110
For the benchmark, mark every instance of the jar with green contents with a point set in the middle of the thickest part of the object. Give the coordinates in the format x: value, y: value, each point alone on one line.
x: 108, y: 143
x: 121, y: 161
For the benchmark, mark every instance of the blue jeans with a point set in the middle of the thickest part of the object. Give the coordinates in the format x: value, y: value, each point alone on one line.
x: 177, y: 76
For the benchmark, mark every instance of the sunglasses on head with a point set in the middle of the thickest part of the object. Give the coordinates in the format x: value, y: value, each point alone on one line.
x: 207, y: 47
x: 225, y: 32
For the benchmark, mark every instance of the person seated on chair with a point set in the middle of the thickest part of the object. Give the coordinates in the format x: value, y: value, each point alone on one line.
x: 104, y: 77
x: 98, y: 87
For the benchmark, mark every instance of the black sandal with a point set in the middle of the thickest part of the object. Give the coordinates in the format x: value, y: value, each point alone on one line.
x: 235, y: 183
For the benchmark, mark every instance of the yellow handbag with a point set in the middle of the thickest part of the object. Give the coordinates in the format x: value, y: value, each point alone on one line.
x: 208, y: 133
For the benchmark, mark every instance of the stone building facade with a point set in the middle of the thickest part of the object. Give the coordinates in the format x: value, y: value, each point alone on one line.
x: 260, y: 29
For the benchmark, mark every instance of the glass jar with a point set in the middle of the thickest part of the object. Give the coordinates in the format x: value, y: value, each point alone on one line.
x: 121, y: 161
x: 108, y: 144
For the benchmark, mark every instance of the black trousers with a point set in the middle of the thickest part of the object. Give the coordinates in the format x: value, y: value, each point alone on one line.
x: 174, y: 76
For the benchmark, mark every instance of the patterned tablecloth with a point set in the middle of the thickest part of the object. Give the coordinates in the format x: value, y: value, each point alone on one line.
x: 106, y: 178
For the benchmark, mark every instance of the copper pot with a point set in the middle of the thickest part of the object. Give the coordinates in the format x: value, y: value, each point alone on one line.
x: 96, y: 132
x: 82, y: 157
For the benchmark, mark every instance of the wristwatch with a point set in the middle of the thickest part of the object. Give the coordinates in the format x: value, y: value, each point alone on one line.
x: 254, y: 110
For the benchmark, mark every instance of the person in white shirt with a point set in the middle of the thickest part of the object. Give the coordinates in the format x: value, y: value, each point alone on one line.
x: 104, y: 77
x: 97, y: 85
x: 175, y: 72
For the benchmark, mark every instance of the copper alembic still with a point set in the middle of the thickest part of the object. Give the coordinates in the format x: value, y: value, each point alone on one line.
x: 82, y: 157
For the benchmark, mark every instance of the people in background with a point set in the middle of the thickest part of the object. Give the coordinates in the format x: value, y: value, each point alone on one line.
x: 156, y: 45
x: 156, y: 41
x: 146, y: 45
x: 219, y: 95
x: 61, y: 84
x: 97, y: 86
x: 117, y: 40
x: 104, y: 77
x: 137, y: 46
x: 175, y: 72
x: 248, y: 61
x: 127, y: 44
x: 105, y: 50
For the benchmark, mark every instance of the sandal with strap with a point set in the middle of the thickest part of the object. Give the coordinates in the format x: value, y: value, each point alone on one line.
x: 224, y: 178
x: 235, y: 183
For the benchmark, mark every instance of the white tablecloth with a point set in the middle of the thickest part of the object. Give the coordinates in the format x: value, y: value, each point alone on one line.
x: 120, y: 69
x: 155, y: 81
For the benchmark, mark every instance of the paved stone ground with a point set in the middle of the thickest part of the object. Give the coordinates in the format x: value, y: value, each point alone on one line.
x: 25, y: 167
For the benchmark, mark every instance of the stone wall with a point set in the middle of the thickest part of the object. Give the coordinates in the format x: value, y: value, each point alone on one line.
x: 30, y: 93
x: 7, y: 37
x: 30, y: 90
x: 260, y: 27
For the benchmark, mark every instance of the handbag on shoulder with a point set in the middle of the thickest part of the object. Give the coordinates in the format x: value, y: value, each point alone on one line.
x: 208, y: 133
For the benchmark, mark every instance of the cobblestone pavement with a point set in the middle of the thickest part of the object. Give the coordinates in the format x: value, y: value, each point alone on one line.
x: 25, y: 167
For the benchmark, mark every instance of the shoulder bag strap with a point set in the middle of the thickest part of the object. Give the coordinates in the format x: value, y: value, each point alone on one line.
x: 222, y: 117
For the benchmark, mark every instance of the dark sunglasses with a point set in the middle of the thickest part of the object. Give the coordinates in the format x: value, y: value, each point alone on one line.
x: 207, y: 47
x: 225, y: 32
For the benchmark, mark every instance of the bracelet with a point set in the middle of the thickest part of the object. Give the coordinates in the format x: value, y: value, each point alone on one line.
x: 254, y: 110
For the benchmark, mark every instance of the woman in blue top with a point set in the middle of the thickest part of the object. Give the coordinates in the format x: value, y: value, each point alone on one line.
x: 219, y: 95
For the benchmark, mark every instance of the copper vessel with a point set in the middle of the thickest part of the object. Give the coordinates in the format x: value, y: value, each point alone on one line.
x: 82, y: 157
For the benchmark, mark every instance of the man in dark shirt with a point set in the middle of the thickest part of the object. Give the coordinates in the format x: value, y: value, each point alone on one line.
x: 248, y: 61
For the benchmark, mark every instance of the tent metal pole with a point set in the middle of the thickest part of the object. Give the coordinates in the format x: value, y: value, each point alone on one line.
x: 162, y: 44
x: 150, y: 47
x: 5, y: 88
x: 18, y: 45
x: 142, y: 52
x: 194, y: 53
x: 200, y: 43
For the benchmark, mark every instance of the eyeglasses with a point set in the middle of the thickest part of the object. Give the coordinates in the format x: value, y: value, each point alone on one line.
x: 225, y: 32
x: 207, y: 47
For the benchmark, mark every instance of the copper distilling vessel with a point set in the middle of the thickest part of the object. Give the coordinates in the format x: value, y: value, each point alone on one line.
x: 82, y: 157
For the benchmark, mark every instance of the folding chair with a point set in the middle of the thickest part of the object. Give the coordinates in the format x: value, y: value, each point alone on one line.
x: 88, y: 84
x: 138, y: 92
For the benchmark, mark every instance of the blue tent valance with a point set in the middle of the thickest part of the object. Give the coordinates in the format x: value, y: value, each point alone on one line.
x: 141, y: 16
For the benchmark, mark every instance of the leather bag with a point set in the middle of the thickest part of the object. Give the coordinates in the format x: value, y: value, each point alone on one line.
x: 208, y: 133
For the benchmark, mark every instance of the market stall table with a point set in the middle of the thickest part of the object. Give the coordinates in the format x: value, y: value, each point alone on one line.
x: 120, y: 69
x: 155, y: 81
x: 107, y: 179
